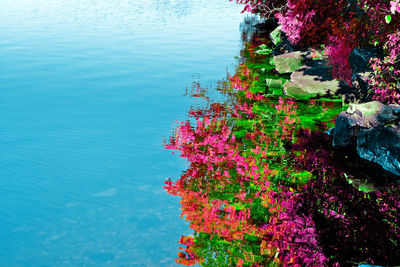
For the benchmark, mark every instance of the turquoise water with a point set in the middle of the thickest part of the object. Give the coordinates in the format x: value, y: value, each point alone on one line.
x: 88, y: 91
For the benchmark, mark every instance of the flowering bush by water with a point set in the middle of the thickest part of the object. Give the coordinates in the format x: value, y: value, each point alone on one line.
x: 339, y: 26
x: 262, y: 188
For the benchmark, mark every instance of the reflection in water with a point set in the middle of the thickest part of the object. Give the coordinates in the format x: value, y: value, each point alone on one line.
x: 264, y: 186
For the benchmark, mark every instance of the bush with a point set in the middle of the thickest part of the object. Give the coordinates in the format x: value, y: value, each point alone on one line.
x: 340, y: 26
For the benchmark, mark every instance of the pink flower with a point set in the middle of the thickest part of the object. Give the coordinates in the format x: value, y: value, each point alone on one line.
x: 394, y: 6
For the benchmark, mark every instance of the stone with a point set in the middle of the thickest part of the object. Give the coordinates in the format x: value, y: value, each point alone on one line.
x: 359, y: 58
x: 361, y: 173
x: 373, y: 129
x: 311, y: 81
x: 287, y: 63
x: 354, y: 7
x: 374, y: 113
x: 389, y: 114
x: 284, y: 46
x: 361, y: 86
x: 255, y: 26
x: 317, y: 68
x: 267, y: 25
x: 275, y: 86
x: 296, y: 91
x: 365, y: 109
x: 381, y: 145
x: 345, y: 131
x: 275, y: 35
x: 330, y: 131
x: 359, y: 62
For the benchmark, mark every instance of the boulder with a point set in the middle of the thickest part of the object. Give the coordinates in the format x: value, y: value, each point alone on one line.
x: 359, y: 61
x: 381, y: 145
x: 311, y: 81
x: 345, y: 131
x: 296, y: 91
x: 366, y: 112
x: 283, y: 45
x: 359, y: 58
x: 360, y: 86
x: 275, y: 86
x: 287, y: 63
x: 354, y: 8
x: 373, y: 128
x: 267, y: 25
x: 256, y: 26
x: 275, y: 35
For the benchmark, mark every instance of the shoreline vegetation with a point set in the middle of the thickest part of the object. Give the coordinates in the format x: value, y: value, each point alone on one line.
x: 265, y: 185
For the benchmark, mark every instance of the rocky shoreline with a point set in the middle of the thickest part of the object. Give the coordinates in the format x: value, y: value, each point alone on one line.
x: 269, y: 184
x: 368, y: 127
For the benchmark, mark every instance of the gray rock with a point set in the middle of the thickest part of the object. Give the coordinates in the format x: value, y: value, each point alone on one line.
x: 285, y: 46
x: 359, y: 58
x: 287, y: 63
x: 256, y: 26
x: 361, y: 86
x: 373, y: 129
x: 366, y: 114
x: 318, y: 68
x: 354, y: 8
x: 375, y: 113
x: 359, y: 61
x: 275, y: 86
x: 346, y: 130
x: 381, y: 145
x: 275, y: 35
x: 296, y: 91
x: 311, y: 81
x: 266, y: 26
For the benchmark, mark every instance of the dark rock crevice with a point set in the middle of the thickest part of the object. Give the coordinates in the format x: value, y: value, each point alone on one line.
x: 373, y: 129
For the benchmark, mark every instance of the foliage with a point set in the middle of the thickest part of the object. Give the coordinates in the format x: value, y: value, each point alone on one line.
x: 340, y: 26
x: 385, y: 80
x: 265, y: 8
x: 261, y: 188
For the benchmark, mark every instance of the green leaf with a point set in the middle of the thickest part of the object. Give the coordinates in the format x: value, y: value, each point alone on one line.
x: 388, y: 18
x: 303, y: 177
x: 257, y: 89
x: 272, y: 61
x: 264, y: 50
x: 365, y: 189
x: 238, y: 206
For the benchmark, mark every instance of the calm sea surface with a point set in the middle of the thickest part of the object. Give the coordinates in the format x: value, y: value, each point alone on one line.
x: 88, y: 91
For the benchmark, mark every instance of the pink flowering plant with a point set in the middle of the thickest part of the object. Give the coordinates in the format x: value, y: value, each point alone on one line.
x: 340, y: 26
x: 395, y: 6
x: 262, y: 188
x: 265, y: 8
x: 385, y: 80
x: 238, y: 171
